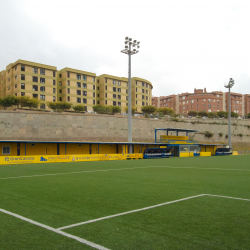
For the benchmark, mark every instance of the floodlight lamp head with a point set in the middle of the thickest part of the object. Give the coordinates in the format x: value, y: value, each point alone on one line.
x: 134, y: 41
x: 126, y: 38
x: 138, y: 42
x: 126, y: 42
x: 133, y: 45
x: 126, y: 47
x: 130, y: 39
x: 138, y: 46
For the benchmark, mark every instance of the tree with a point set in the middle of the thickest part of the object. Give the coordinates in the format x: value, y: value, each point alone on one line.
x: 99, y: 109
x: 248, y: 116
x: 212, y: 115
x: 222, y: 114
x: 234, y: 115
x: 8, y: 101
x: 148, y: 109
x: 53, y: 106
x: 26, y: 101
x: 202, y: 113
x: 192, y: 113
x: 79, y: 108
x: 59, y: 106
x: 166, y: 111
x: 65, y: 105
x: 134, y: 109
x: 116, y: 109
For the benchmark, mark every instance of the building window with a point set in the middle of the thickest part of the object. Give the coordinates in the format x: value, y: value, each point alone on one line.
x: 35, y: 79
x: 60, y: 99
x: 119, y: 104
x: 142, y: 90
x: 54, y: 98
x: 78, y: 100
x: 54, y: 82
x: 78, y: 92
x: 106, y: 95
x: 93, y: 102
x: 114, y: 103
x: 68, y: 83
x: 114, y: 96
x: 142, y: 84
x: 146, y: 98
x: 209, y: 100
x: 146, y: 92
x: 209, y: 105
x: 126, y: 98
x: 35, y: 70
x: 42, y: 71
x: 22, y: 85
x: 68, y: 75
x: 93, y: 94
x: 93, y: 87
x: 97, y: 95
x: 84, y: 78
x: 84, y: 85
x: 135, y: 90
x: 42, y: 80
x: 114, y: 89
x: 35, y: 95
x: 119, y: 97
x: 22, y: 77
x: 35, y: 88
x: 42, y: 89
x: 68, y: 99
x: 143, y: 104
x: 6, y: 150
x: 42, y: 97
x: 54, y: 90
x: 16, y: 68
x: 105, y: 80
x: 136, y: 96
x: 142, y: 97
x: 60, y: 75
x: 15, y: 94
x: 22, y: 68
x: 84, y: 100
x: 93, y: 79
x: 119, y: 84
x: 126, y: 91
x: 127, y: 103
x: 78, y: 85
x: 105, y: 87
x: 68, y: 91
x: 54, y: 74
x: 119, y: 90
x: 114, y: 82
x: 15, y: 85
x: 106, y: 102
x: 22, y: 93
x: 15, y: 77
x: 60, y: 91
x: 97, y: 88
x: 42, y: 106
x: 78, y: 77
x: 192, y: 101
x: 84, y: 93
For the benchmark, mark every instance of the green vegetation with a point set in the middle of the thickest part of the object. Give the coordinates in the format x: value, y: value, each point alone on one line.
x: 166, y: 111
x: 148, y: 109
x: 134, y: 109
x: 205, y: 222
x: 202, y: 113
x: 59, y: 106
x: 208, y: 134
x: 192, y: 113
x: 79, y: 108
x: 102, y: 109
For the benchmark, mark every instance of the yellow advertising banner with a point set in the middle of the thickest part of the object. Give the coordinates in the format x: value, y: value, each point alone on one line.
x: 173, y: 137
x: 8, y: 160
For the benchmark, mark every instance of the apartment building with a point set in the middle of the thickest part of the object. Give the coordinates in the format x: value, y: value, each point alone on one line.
x: 201, y: 100
x: 24, y: 78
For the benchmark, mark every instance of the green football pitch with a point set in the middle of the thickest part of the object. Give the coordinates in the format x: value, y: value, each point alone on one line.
x: 176, y: 203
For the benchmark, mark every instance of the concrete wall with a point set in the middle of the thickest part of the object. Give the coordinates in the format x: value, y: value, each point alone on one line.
x: 49, y: 126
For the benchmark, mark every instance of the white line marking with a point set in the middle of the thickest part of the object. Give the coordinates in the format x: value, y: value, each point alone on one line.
x: 86, y: 242
x: 129, y: 212
x: 228, y: 197
x: 88, y: 171
x: 117, y: 169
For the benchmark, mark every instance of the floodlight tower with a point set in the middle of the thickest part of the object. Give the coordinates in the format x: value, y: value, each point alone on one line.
x: 229, y: 86
x: 131, y: 48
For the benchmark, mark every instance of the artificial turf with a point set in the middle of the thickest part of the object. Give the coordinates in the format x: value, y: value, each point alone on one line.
x: 59, y: 200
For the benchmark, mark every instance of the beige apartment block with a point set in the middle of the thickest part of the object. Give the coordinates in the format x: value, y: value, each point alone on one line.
x: 24, y: 78
x: 77, y: 87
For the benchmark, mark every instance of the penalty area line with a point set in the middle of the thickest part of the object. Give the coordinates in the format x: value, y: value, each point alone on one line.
x: 129, y: 212
x: 86, y: 242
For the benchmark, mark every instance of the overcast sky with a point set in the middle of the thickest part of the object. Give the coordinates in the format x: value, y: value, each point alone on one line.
x: 185, y: 44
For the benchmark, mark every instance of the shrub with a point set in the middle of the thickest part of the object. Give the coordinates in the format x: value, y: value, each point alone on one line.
x: 202, y: 113
x: 99, y: 109
x: 192, y: 113
x: 134, y: 109
x: 208, y: 134
x: 79, y: 108
x: 240, y: 135
x: 148, y: 109
x: 8, y: 101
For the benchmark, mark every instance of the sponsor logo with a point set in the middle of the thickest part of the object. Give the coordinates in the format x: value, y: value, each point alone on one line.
x: 43, y: 159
